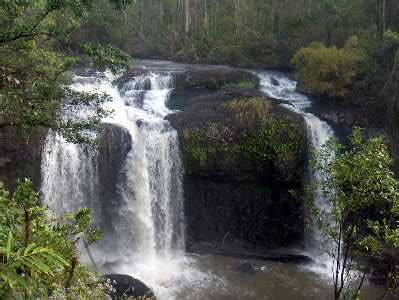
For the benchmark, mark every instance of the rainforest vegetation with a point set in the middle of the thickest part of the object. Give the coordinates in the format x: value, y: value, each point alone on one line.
x: 345, y: 52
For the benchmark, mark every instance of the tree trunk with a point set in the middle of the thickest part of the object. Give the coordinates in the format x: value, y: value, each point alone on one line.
x: 384, y: 3
x: 187, y: 16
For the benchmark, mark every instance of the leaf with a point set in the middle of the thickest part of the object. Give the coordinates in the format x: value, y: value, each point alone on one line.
x: 37, y: 265
x: 9, y: 245
x: 28, y: 249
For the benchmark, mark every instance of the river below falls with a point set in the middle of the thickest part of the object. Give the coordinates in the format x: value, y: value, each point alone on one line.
x: 215, y: 277
x: 269, y: 281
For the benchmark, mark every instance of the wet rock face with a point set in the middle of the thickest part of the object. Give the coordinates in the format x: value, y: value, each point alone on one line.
x: 114, y: 144
x: 124, y: 286
x: 241, y: 211
x: 230, y: 192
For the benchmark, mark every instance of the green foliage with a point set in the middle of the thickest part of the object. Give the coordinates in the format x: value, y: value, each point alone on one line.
x: 277, y: 143
x: 201, y: 145
x: 248, y: 113
x: 38, y: 254
x: 329, y: 71
x: 40, y: 261
x: 249, y: 33
x: 104, y: 57
x: 33, y: 66
x: 363, y: 195
x: 262, y: 143
x: 241, y: 85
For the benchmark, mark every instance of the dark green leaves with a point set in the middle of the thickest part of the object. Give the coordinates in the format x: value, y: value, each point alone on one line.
x: 40, y: 267
x: 103, y: 57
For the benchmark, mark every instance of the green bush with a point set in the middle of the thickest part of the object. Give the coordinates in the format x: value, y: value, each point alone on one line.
x: 328, y: 70
x: 273, y: 144
x: 248, y: 113
x: 241, y: 85
x: 38, y: 254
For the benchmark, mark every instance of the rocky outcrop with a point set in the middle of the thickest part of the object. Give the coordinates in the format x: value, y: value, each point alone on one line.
x: 113, y: 146
x: 243, y: 158
x: 204, y: 80
x: 214, y: 77
x: 125, y: 286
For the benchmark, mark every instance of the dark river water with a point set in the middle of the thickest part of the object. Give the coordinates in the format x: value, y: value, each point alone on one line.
x: 269, y: 281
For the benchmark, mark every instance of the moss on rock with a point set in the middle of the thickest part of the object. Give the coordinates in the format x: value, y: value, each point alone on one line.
x: 249, y: 138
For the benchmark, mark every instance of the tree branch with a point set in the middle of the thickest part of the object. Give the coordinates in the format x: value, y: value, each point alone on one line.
x: 30, y: 33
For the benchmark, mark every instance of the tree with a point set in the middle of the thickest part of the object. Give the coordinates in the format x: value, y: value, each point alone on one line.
x: 363, y: 195
x: 39, y: 254
x: 34, y: 39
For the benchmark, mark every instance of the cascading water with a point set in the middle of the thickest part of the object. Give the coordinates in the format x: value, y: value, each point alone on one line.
x: 278, y: 86
x: 144, y: 221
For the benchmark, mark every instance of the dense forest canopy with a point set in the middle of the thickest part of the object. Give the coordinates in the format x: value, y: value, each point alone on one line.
x: 246, y: 33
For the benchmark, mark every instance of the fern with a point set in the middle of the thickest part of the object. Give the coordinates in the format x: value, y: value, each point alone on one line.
x: 32, y: 259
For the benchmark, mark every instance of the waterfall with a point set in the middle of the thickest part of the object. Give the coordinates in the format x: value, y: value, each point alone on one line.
x: 143, y: 221
x: 278, y: 86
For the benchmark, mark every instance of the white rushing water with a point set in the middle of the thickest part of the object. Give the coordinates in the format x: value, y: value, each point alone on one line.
x: 279, y: 86
x: 144, y: 229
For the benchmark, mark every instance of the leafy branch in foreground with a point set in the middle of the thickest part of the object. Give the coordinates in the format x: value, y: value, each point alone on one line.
x: 363, y: 197
x: 38, y: 255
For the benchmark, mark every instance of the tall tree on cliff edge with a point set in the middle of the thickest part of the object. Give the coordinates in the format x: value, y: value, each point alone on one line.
x: 34, y: 43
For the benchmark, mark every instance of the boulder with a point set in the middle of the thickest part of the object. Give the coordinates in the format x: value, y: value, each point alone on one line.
x: 127, y: 286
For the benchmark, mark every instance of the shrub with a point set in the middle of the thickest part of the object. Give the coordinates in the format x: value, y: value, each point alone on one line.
x: 38, y: 255
x: 328, y: 70
x: 241, y: 85
x: 248, y: 113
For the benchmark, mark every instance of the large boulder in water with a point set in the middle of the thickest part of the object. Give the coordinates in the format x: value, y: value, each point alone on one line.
x: 124, y: 286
